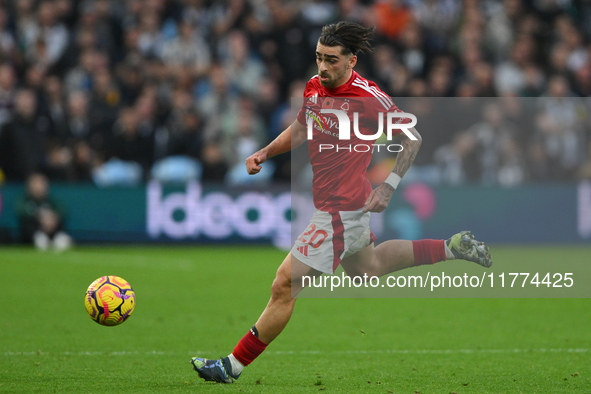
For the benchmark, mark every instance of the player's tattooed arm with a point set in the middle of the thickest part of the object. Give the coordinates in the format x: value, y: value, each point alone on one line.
x: 379, y: 198
x: 407, y: 156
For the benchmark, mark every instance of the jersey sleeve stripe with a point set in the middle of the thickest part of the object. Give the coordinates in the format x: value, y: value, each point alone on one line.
x: 380, y: 99
x: 379, y: 92
x: 367, y: 89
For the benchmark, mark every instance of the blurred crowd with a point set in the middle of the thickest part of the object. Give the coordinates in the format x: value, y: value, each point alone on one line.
x: 123, y: 91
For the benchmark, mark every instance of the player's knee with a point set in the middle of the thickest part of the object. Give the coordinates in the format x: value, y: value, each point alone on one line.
x: 281, y: 287
x: 354, y: 271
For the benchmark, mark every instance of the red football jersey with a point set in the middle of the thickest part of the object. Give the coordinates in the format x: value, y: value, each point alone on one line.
x: 340, y: 165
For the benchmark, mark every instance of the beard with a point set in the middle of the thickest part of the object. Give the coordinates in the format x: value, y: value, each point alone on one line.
x: 332, y: 79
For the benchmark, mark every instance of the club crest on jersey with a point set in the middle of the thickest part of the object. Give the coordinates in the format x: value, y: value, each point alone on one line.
x: 345, y: 106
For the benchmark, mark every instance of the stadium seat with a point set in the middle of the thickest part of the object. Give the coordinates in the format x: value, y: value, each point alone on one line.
x: 176, y: 169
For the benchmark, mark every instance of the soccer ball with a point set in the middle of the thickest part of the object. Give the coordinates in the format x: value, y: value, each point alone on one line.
x: 109, y: 300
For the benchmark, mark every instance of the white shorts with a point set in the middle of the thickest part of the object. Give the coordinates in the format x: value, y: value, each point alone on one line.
x: 331, y: 237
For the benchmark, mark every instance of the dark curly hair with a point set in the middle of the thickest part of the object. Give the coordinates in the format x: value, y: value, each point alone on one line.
x: 353, y: 37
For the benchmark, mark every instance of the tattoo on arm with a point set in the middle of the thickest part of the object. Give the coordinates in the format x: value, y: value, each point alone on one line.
x: 385, y: 193
x: 407, y: 156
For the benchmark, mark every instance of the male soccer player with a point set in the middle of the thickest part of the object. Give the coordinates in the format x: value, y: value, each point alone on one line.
x: 339, y: 231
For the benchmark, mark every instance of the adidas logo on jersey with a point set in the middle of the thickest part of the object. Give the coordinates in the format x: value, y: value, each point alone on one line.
x: 303, y: 250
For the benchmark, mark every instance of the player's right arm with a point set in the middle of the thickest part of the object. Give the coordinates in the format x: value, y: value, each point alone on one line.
x: 292, y: 137
x: 379, y: 198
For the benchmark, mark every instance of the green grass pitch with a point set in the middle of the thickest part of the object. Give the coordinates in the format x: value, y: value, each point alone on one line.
x: 202, y: 300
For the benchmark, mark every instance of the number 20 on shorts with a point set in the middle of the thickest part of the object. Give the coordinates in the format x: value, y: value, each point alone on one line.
x: 317, y: 238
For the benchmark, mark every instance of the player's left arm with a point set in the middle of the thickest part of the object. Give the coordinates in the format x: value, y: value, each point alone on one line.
x: 379, y: 198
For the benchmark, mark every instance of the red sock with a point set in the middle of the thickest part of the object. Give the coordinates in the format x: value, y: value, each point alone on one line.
x: 428, y: 251
x: 248, y: 348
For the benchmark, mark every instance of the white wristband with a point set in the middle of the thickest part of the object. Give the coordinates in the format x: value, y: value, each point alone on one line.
x: 393, y: 180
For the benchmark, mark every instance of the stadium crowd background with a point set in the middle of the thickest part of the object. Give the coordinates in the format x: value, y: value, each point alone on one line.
x: 119, y: 92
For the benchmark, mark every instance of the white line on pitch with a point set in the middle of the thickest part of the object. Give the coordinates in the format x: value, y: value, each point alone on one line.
x: 306, y: 352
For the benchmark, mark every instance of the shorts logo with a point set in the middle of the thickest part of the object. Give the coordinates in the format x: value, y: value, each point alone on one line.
x: 303, y: 250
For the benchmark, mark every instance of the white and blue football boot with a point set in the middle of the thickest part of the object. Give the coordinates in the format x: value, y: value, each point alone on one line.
x: 219, y: 370
x: 465, y: 247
